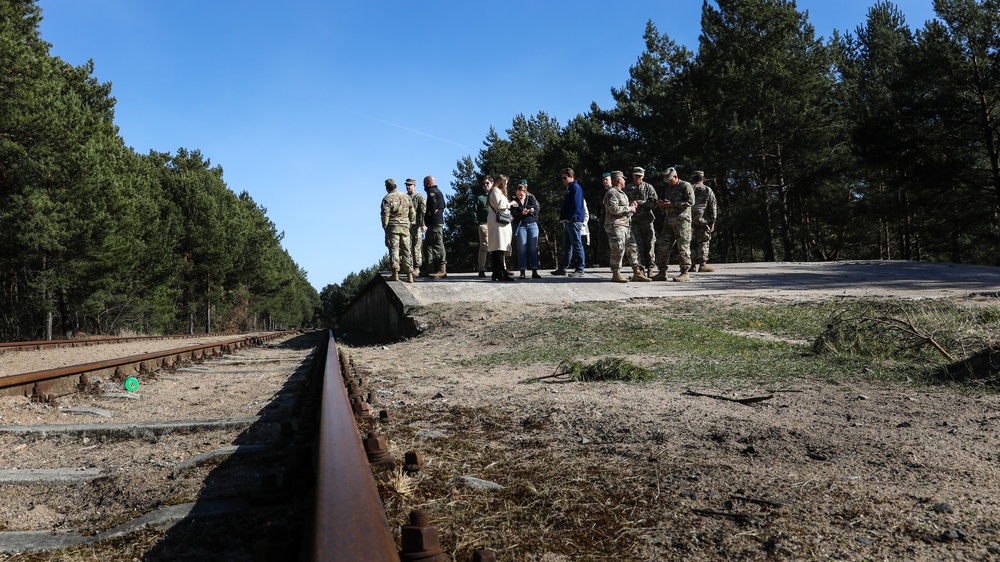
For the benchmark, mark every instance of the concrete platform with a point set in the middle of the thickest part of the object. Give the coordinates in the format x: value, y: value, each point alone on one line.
x: 796, y: 280
x: 381, y: 312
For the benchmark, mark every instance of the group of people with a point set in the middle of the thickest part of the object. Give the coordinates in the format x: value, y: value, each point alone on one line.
x: 414, y: 229
x: 648, y: 224
x: 641, y: 222
x: 503, y: 218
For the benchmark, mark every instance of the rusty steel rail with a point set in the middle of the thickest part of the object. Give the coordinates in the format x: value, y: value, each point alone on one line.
x: 134, y: 363
x: 42, y: 344
x: 349, y: 521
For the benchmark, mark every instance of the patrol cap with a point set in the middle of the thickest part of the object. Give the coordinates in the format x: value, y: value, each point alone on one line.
x: 523, y: 182
x: 669, y: 173
x: 637, y: 171
x: 697, y: 175
x: 411, y: 181
x: 617, y: 174
x: 390, y: 182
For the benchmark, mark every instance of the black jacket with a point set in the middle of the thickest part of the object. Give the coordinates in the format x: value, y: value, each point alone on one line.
x: 435, y: 207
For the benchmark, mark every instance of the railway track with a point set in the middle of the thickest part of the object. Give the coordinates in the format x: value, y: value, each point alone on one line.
x: 262, y: 453
x: 87, y: 342
x: 201, y: 462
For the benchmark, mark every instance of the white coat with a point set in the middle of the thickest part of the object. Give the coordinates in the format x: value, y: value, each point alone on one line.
x: 499, y: 235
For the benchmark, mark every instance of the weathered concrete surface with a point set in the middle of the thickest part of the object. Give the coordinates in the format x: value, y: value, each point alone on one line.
x: 383, y: 309
x: 14, y: 542
x: 48, y: 475
x: 903, y: 279
x: 131, y: 430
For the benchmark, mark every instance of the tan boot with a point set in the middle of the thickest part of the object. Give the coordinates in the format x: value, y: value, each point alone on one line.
x: 683, y: 276
x: 395, y: 274
x: 441, y: 273
x: 705, y: 268
x: 409, y: 277
x: 661, y: 276
x: 637, y: 275
x: 616, y: 276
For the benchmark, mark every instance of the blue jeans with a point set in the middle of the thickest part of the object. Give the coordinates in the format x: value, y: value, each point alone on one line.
x: 527, y: 244
x: 572, y: 244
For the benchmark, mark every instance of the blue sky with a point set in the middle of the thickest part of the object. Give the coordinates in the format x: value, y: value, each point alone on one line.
x: 309, y: 105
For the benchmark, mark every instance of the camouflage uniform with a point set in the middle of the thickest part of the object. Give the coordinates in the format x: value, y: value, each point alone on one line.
x: 676, y: 227
x: 416, y: 230
x: 397, y: 215
x: 641, y: 237
x: 616, y: 224
x: 702, y: 221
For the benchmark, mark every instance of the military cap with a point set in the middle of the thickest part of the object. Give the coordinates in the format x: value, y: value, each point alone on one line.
x: 637, y: 171
x: 697, y: 175
x: 523, y: 182
x: 411, y: 181
x: 390, y: 182
x: 617, y: 174
x: 669, y: 173
x: 606, y: 175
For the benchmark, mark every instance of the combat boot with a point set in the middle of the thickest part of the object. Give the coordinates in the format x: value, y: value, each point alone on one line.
x: 683, y: 276
x: 409, y: 277
x: 661, y: 276
x: 616, y: 276
x: 395, y: 274
x: 441, y: 273
x: 637, y: 275
x: 705, y: 268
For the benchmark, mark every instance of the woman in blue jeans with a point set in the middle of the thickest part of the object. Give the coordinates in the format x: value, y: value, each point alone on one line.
x: 524, y: 208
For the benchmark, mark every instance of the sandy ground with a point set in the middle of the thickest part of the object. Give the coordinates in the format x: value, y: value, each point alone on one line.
x: 597, y: 471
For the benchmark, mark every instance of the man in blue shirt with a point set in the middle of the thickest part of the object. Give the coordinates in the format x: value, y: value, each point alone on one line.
x: 572, y: 216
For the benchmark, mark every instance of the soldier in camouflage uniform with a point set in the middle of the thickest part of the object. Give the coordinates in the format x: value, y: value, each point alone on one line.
x: 703, y: 216
x: 642, y: 237
x: 397, y: 215
x: 417, y: 229
x: 617, y: 211
x: 676, y: 204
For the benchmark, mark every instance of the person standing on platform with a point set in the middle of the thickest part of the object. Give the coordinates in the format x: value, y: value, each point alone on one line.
x: 571, y: 214
x: 435, y: 256
x: 500, y: 235
x: 417, y: 229
x: 480, y: 212
x: 642, y: 236
x: 676, y: 226
x: 703, y: 216
x: 397, y: 215
x: 617, y: 211
x: 524, y: 208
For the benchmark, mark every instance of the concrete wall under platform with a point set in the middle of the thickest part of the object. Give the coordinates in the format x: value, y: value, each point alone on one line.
x: 380, y: 313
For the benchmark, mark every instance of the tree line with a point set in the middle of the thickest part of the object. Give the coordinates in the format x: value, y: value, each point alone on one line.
x: 881, y: 143
x: 96, y: 238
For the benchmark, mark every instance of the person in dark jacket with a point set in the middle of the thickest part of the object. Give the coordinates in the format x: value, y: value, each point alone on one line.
x: 524, y: 208
x: 435, y: 257
x: 572, y: 215
x: 480, y: 212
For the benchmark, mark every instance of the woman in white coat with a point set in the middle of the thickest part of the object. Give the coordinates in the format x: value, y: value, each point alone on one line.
x: 499, y: 235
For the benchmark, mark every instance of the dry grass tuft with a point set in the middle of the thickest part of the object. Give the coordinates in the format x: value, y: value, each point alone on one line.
x: 606, y: 369
x: 396, y: 483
